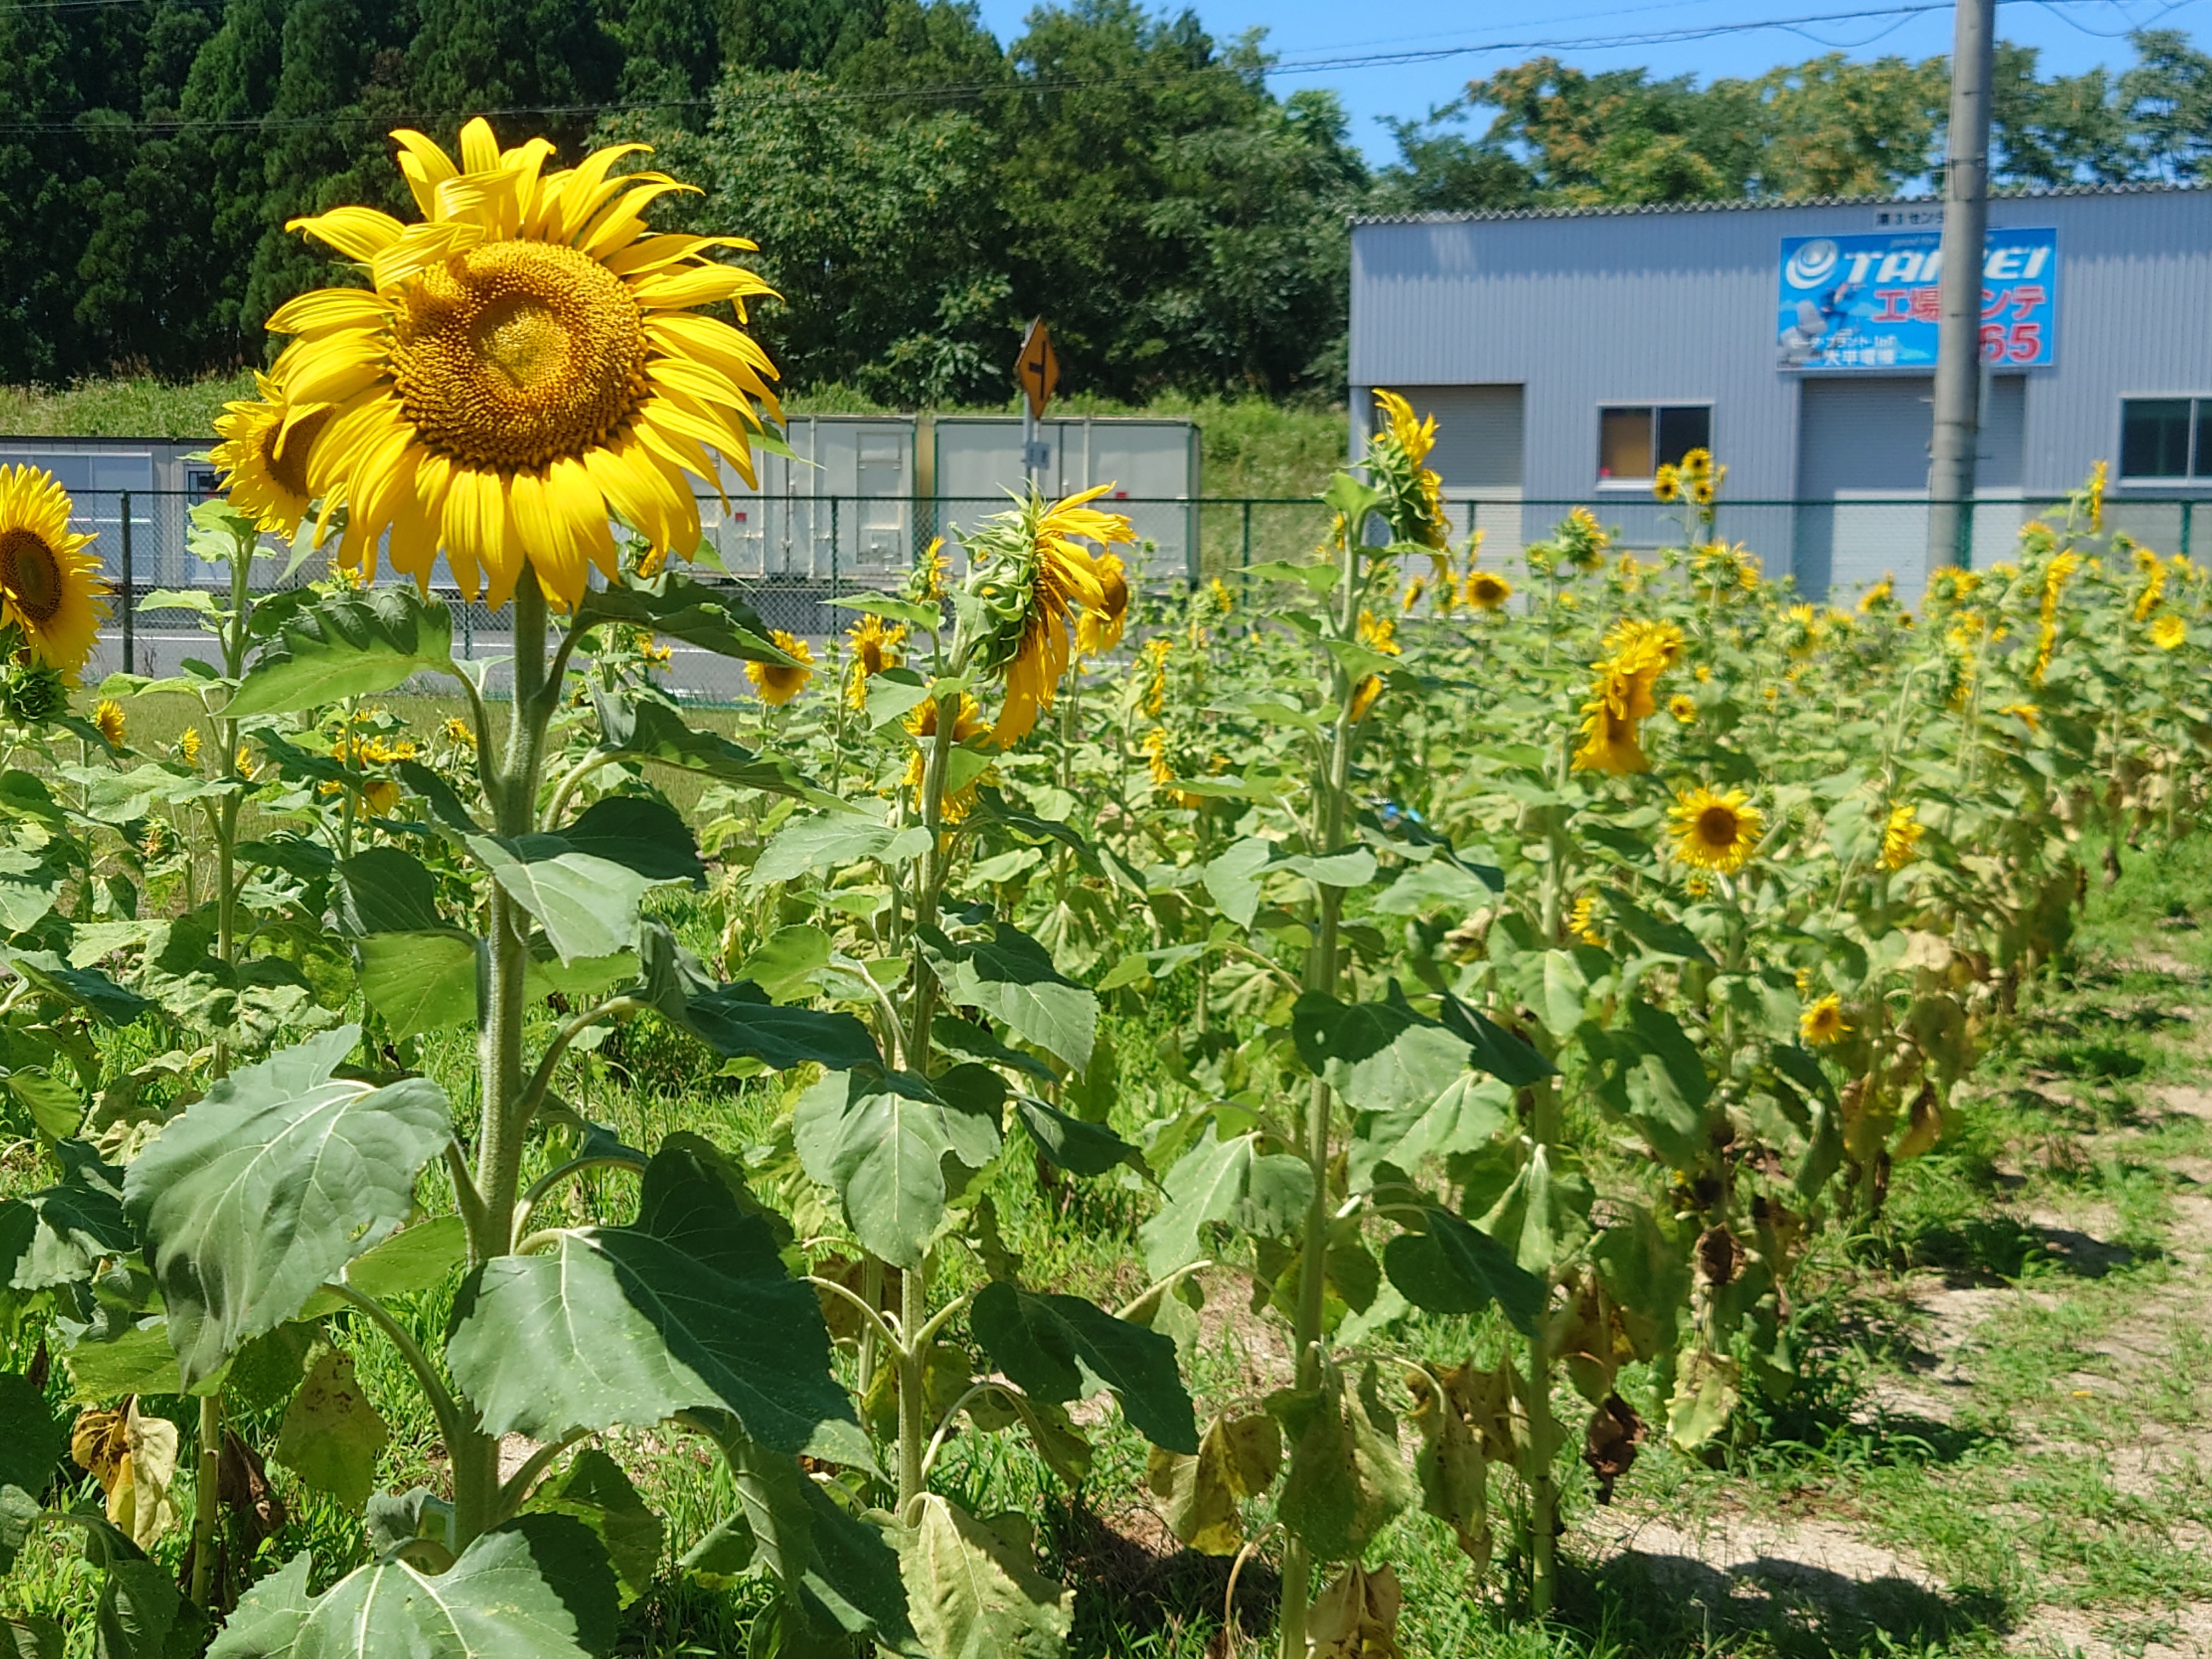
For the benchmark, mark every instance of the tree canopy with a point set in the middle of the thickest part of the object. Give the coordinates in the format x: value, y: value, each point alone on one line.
x: 918, y: 188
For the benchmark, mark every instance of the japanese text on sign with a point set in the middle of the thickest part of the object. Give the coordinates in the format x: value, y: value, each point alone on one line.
x: 1875, y: 301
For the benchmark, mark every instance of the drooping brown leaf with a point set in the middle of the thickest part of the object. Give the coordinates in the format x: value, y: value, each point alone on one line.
x: 1356, y: 1617
x: 1609, y: 1443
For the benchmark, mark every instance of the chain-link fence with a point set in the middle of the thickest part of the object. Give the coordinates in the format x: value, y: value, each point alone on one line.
x: 792, y: 556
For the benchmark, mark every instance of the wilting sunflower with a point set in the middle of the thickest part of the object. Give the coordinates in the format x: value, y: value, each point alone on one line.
x: 1152, y: 662
x: 1378, y: 634
x: 1414, y: 496
x: 525, y: 362
x: 107, y: 717
x: 1485, y: 591
x: 2168, y: 631
x: 1030, y: 574
x: 775, y: 684
x: 922, y: 725
x: 1099, y: 630
x: 1822, y: 1022
x: 1610, y: 734
x: 264, y: 455
x: 875, y: 648
x: 1715, y: 832
x: 1900, y: 836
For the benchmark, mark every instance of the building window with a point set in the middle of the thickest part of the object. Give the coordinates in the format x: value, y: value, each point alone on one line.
x: 1634, y: 442
x: 2166, y: 438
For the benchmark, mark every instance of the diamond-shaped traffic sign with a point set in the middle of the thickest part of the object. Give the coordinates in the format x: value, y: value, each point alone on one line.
x: 1037, y: 368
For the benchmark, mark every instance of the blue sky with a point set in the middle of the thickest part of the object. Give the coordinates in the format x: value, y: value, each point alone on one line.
x: 2073, y: 34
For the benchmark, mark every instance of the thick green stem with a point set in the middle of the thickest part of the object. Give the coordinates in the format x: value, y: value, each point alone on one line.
x: 510, y: 786
x: 205, y: 1496
x: 913, y: 1425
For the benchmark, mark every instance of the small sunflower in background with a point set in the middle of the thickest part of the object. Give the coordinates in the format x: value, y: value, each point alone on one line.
x: 2168, y: 632
x: 1822, y: 1022
x: 1379, y: 634
x: 926, y: 583
x: 107, y: 716
x: 264, y: 455
x: 875, y: 648
x: 921, y: 725
x: 1583, y: 922
x: 776, y: 684
x: 1414, y: 493
x: 1667, y: 484
x: 1684, y: 708
x: 51, y: 588
x: 1900, y: 836
x: 1483, y: 591
x: 1715, y: 831
x: 1098, y: 630
x: 188, y: 746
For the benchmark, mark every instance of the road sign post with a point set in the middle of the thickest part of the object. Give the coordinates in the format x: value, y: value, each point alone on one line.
x: 1037, y: 370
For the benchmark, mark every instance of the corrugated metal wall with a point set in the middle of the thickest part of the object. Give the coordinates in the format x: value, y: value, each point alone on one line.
x: 1678, y: 306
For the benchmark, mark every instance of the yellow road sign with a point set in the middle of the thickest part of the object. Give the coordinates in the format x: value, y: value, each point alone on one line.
x: 1038, y: 368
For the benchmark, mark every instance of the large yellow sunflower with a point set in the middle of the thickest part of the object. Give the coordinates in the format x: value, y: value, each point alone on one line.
x: 775, y: 683
x: 1033, y: 575
x: 50, y: 587
x: 525, y: 361
x: 264, y: 455
x: 1715, y: 832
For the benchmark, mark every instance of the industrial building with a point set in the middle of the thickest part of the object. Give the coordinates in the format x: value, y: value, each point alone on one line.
x: 1567, y: 354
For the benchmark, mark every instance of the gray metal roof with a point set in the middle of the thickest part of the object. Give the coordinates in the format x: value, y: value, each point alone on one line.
x: 1746, y: 204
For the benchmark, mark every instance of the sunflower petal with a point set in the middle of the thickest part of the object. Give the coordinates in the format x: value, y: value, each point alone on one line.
x: 359, y: 232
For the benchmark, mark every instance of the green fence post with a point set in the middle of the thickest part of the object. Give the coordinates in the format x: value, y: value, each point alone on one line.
x: 1248, y: 531
x: 129, y: 621
x: 2185, y: 516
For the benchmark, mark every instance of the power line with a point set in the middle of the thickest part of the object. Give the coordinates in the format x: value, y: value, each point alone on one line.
x: 1018, y: 86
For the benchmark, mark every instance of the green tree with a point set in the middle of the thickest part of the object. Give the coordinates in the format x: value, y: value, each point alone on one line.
x: 340, y: 89
x: 2167, y: 97
x: 880, y: 239
x: 2068, y: 130
x: 546, y: 62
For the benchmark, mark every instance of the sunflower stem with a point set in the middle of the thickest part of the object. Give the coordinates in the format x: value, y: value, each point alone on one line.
x: 1334, y: 784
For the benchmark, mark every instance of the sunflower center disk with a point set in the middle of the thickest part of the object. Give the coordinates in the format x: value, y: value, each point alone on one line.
x: 518, y: 354
x: 31, y: 574
x: 1717, y: 827
x: 287, y: 467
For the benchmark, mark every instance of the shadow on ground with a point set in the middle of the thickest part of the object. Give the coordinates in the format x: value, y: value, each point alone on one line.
x: 1662, y: 1603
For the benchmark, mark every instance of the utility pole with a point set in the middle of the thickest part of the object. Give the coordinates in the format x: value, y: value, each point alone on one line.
x: 1966, y: 227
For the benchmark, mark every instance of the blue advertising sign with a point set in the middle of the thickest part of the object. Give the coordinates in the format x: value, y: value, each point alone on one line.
x: 1874, y: 301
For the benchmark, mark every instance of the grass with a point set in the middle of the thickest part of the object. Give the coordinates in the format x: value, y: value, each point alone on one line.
x: 1999, y: 1382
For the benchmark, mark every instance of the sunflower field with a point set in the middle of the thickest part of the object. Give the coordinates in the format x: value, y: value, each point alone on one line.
x: 1339, y: 1062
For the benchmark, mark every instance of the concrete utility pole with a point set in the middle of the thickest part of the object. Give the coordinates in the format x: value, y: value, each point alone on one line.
x: 1965, y: 226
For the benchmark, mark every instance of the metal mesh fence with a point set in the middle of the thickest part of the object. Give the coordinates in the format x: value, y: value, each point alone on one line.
x: 790, y: 556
